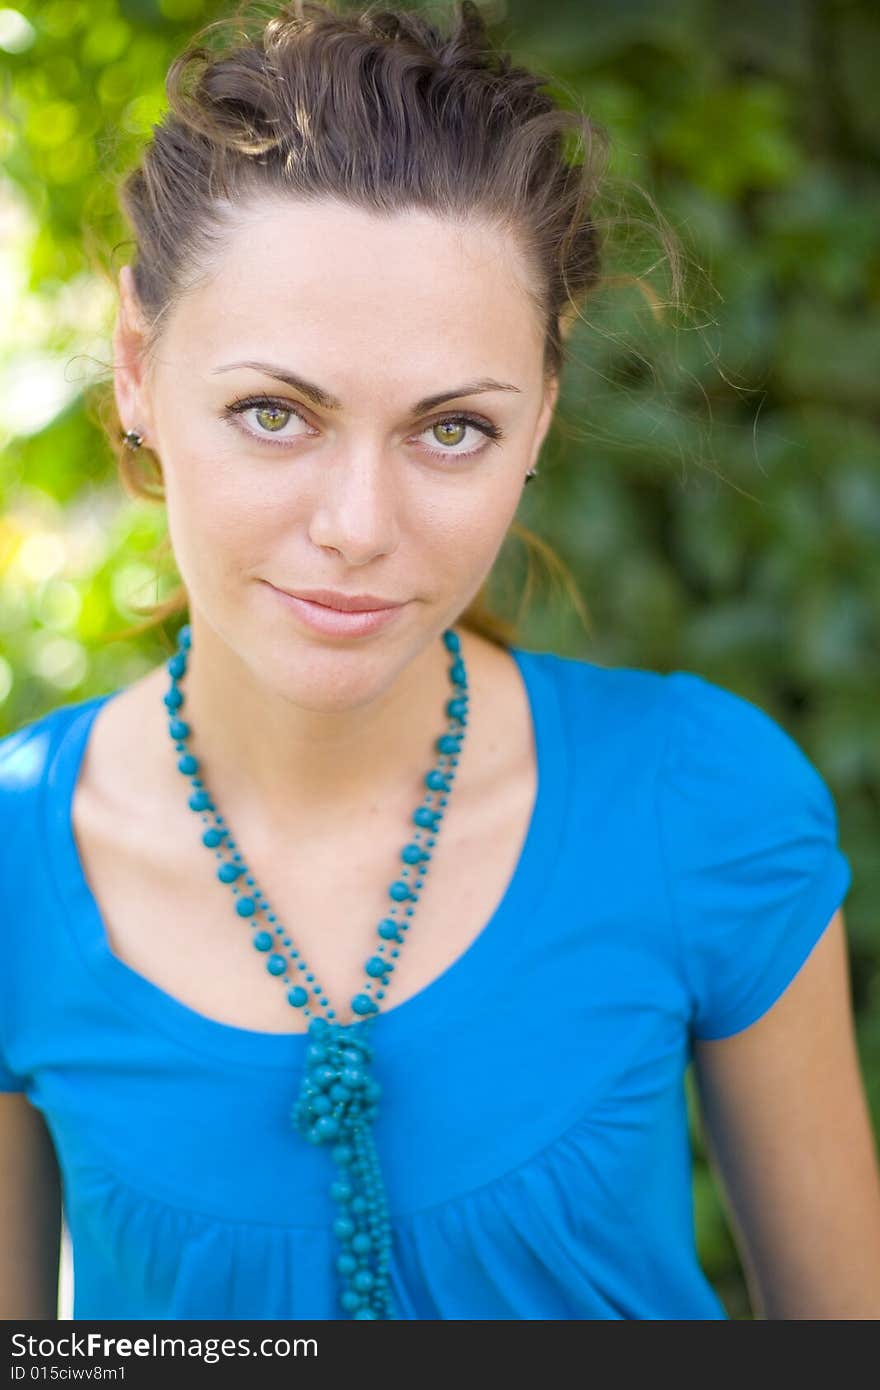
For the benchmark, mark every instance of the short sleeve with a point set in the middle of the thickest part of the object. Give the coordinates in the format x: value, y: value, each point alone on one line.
x: 9, y: 1081
x: 749, y: 835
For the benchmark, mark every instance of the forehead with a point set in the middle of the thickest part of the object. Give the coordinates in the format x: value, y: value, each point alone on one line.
x: 332, y: 280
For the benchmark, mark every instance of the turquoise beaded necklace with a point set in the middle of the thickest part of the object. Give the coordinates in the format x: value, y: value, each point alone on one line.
x: 338, y: 1097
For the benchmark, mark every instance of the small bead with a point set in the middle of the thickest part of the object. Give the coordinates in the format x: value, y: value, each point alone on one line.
x: 178, y: 729
x: 228, y: 873
x: 176, y: 665
x: 184, y: 637
x: 276, y: 965
x: 263, y: 941
x: 212, y: 838
x: 200, y: 801
x: 399, y: 891
x: 245, y: 907
x: 173, y: 699
x: 297, y: 996
x: 436, y: 782
x: 389, y: 930
x: 378, y: 966
x: 451, y: 640
x: 344, y: 1228
x: 365, y: 1312
x: 363, y: 1004
x: 363, y: 1280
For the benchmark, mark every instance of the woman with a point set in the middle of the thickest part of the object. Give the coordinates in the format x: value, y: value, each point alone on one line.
x: 358, y: 246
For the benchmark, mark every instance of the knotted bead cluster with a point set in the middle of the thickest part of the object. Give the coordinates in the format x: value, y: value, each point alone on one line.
x: 338, y: 1099
x: 337, y: 1093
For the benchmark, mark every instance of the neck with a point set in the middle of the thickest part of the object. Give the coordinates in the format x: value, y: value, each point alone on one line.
x: 333, y: 733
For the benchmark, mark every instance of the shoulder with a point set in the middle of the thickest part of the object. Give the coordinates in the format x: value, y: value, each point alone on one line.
x: 691, y: 710
x: 24, y: 752
x: 28, y: 752
x: 579, y: 678
x: 692, y: 727
x: 599, y: 704
x: 735, y: 785
x: 725, y: 751
x: 706, y: 714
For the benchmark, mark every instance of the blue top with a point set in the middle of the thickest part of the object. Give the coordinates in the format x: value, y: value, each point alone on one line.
x: 680, y: 864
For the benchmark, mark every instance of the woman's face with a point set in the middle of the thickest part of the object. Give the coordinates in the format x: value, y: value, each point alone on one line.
x: 369, y: 489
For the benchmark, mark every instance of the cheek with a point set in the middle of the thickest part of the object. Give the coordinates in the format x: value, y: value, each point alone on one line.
x: 214, y: 524
x: 462, y: 536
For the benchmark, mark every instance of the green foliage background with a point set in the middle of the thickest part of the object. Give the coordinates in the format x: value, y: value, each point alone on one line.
x: 712, y: 483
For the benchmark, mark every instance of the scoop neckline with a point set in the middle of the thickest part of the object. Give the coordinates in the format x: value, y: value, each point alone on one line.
x: 430, y: 1007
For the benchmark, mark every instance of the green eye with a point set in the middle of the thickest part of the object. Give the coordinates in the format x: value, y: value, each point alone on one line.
x: 455, y: 426
x: 269, y: 417
x: 458, y: 426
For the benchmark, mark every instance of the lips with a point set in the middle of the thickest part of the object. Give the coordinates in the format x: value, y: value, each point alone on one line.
x: 334, y: 622
x: 343, y: 603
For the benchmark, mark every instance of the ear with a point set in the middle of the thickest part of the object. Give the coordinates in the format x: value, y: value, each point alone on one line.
x: 550, y: 397
x: 130, y: 381
x: 568, y: 317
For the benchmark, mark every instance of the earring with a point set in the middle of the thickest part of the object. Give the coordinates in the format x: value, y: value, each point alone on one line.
x: 132, y: 439
x: 532, y: 473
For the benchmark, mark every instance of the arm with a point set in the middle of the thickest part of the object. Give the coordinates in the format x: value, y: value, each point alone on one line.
x: 30, y: 1213
x: 787, y: 1130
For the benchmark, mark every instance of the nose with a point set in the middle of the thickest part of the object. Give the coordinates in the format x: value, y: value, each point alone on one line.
x: 356, y: 507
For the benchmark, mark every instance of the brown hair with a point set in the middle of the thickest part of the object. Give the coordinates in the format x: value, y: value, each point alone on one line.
x: 380, y: 108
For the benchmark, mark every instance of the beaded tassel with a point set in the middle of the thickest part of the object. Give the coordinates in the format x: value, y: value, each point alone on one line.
x: 338, y: 1097
x: 336, y: 1103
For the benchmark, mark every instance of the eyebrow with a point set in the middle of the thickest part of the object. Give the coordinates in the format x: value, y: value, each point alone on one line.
x: 326, y: 401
